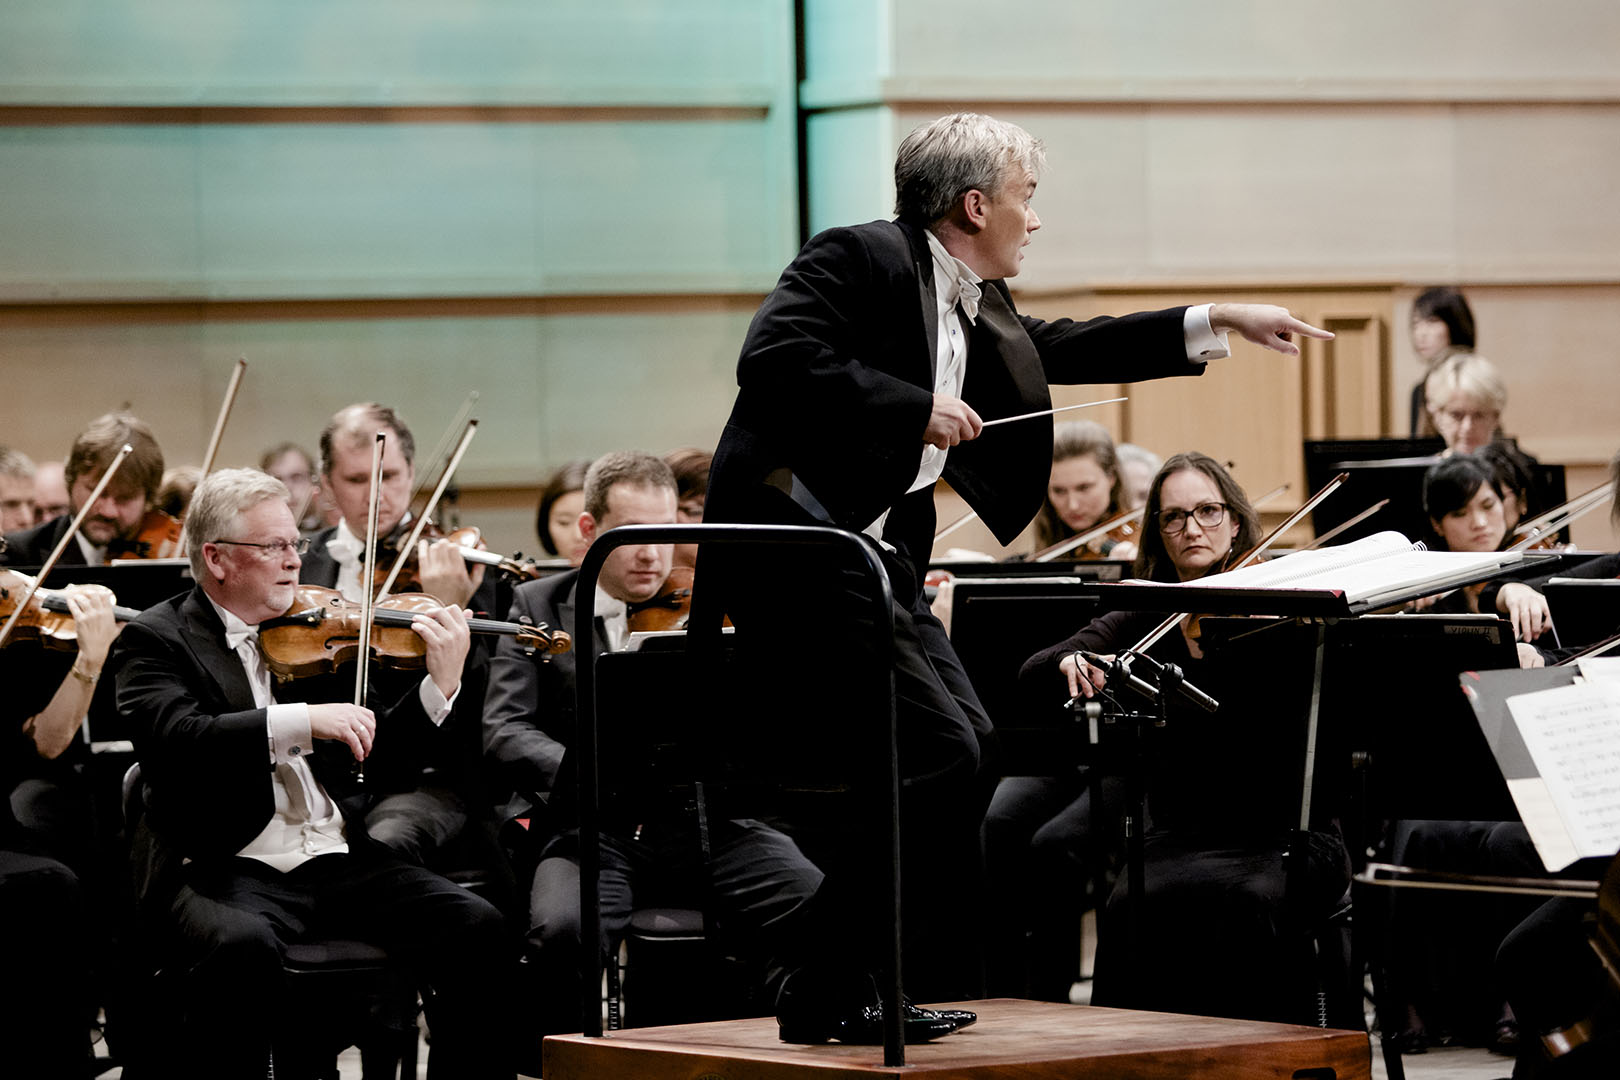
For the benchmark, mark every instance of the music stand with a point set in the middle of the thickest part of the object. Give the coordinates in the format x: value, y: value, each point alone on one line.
x: 138, y: 583
x: 1584, y: 610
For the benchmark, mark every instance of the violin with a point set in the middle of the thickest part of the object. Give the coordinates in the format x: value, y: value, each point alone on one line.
x: 467, y: 538
x: 1126, y: 532
x: 46, y: 619
x: 1097, y: 542
x: 321, y: 631
x: 669, y: 608
x: 157, y: 538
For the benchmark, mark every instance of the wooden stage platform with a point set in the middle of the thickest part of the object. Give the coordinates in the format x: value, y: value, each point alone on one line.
x: 1027, y: 1040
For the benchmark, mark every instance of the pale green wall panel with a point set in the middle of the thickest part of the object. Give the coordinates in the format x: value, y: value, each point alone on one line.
x: 111, y: 203
x: 359, y: 210
x: 629, y: 207
x: 301, y: 52
x: 851, y: 166
x: 378, y: 210
x: 848, y: 49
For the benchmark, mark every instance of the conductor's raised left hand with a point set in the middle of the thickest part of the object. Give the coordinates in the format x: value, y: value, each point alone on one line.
x: 1264, y: 324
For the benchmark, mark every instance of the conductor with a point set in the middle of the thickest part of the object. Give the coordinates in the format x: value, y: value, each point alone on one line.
x: 866, y: 376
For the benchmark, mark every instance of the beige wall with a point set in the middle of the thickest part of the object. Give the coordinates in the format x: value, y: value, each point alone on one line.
x: 1335, y: 158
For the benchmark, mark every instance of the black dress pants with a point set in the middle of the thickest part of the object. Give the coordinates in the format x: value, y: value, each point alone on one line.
x: 756, y: 882
x: 44, y: 1024
x: 232, y: 920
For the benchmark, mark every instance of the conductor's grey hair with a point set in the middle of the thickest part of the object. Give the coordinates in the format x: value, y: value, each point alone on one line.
x: 944, y: 159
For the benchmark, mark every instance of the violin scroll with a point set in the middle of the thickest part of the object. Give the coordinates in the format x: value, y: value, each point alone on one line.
x: 538, y: 637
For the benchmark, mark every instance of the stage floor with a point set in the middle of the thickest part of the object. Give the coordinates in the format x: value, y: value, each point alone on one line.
x: 1028, y: 1040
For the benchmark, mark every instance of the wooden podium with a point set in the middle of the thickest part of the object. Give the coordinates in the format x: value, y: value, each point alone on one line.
x: 1027, y: 1040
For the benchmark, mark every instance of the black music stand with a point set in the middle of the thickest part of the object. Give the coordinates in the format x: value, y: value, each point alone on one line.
x: 138, y: 583
x: 1080, y: 569
x: 1585, y: 610
x: 878, y: 682
x: 997, y: 624
x: 1391, y: 469
x: 1379, y: 469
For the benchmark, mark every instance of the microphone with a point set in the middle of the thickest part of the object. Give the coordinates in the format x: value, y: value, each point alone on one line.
x: 1173, y: 674
x: 1188, y: 690
x: 1119, y: 667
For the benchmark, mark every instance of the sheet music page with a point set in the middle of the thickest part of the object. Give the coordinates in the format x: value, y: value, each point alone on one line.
x: 1288, y: 569
x: 1534, y: 800
x: 1382, y: 563
x: 1599, y: 668
x: 1573, y: 733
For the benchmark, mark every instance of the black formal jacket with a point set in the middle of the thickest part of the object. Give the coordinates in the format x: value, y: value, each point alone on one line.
x: 204, y: 746
x: 836, y: 386
x: 529, y: 708
x: 31, y: 547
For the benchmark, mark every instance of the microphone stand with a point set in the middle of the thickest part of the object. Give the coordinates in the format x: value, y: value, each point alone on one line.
x: 1171, y: 679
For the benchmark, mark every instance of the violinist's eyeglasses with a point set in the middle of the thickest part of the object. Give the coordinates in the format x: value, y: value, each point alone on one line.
x: 1208, y: 516
x: 275, y: 549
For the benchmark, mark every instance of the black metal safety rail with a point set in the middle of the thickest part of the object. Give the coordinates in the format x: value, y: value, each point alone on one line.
x: 879, y: 682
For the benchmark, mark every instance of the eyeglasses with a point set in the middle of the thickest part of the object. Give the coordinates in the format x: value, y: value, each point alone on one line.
x: 1460, y: 416
x: 1208, y: 516
x: 275, y: 549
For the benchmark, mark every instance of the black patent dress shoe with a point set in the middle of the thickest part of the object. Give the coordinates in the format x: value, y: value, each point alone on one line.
x: 960, y: 1017
x: 863, y: 1025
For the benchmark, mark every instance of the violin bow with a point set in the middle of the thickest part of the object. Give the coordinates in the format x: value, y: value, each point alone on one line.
x: 367, y: 608
x: 1597, y: 648
x: 1268, y: 496
x: 442, y: 450
x: 219, y: 431
x: 1342, y: 526
x: 1259, y: 549
x: 67, y: 538
x: 432, y: 504
x: 953, y: 526
x: 1559, y: 516
x: 302, y: 508
x: 1063, y: 547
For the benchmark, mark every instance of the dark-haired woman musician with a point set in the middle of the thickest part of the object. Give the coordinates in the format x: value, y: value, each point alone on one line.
x: 1218, y: 937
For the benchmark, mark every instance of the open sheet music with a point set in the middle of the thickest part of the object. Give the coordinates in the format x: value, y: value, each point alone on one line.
x: 1559, y: 750
x: 1373, y: 572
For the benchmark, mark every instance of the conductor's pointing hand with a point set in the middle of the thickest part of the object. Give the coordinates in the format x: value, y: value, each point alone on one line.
x: 1264, y: 324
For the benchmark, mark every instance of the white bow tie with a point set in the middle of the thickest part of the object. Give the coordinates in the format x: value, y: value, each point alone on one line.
x: 234, y: 638
x: 343, y: 547
x: 968, y: 294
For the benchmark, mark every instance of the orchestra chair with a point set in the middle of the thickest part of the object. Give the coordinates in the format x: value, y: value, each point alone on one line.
x: 665, y: 954
x: 366, y: 999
